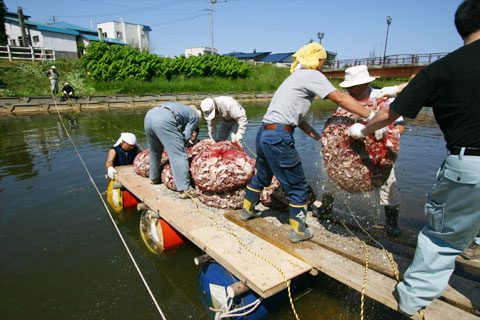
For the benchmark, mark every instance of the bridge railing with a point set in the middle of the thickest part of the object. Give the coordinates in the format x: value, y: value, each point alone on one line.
x: 392, y: 60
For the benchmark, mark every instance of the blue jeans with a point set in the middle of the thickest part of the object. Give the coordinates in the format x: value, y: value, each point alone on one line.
x: 162, y: 132
x: 453, y: 215
x: 276, y: 155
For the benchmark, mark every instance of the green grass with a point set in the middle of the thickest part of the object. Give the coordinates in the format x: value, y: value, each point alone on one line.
x: 27, y: 78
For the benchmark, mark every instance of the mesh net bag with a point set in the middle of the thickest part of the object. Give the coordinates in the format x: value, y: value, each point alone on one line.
x: 141, y: 163
x: 167, y: 177
x: 276, y: 198
x: 231, y: 200
x: 358, y: 165
x: 222, y: 167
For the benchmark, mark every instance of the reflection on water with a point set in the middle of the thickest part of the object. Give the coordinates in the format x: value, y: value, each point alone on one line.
x: 61, y: 257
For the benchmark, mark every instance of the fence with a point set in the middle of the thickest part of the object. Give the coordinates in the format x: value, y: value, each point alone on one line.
x: 26, y: 53
x: 397, y: 59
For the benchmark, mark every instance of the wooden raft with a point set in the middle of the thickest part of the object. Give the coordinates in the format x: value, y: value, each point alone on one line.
x: 205, y: 231
x: 344, y: 260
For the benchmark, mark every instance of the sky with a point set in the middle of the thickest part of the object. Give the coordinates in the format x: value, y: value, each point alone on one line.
x: 352, y: 28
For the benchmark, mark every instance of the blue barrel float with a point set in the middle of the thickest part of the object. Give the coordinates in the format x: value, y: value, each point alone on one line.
x: 212, y: 286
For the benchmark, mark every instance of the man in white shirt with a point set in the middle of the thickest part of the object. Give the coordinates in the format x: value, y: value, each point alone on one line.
x: 357, y: 82
x: 229, y: 113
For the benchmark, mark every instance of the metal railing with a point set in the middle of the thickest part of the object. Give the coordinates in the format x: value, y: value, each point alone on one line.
x: 26, y: 53
x: 392, y: 60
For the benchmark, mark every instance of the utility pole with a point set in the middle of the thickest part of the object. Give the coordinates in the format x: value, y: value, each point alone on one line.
x: 211, y: 24
x: 389, y: 20
x: 22, y: 26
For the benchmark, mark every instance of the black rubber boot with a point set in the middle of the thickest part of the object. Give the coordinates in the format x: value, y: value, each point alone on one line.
x: 325, y: 210
x: 298, y: 228
x: 391, y: 221
x: 252, y: 198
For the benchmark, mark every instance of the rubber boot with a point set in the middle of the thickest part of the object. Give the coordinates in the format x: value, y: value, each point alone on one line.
x: 325, y: 210
x: 391, y: 221
x: 252, y: 198
x: 298, y: 228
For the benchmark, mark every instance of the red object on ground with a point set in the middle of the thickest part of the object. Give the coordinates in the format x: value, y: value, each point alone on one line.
x: 129, y: 200
x: 358, y: 165
x: 171, y: 238
x: 141, y: 163
x: 222, y: 167
x: 276, y: 198
x: 228, y: 200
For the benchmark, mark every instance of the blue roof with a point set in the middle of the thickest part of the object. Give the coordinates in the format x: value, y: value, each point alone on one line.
x: 147, y: 28
x: 242, y: 55
x: 66, y: 25
x: 109, y: 40
x: 45, y: 27
x: 278, y: 57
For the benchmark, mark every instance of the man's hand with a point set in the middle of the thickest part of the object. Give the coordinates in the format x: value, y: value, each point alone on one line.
x: 356, y: 131
x: 381, y: 134
x: 236, y: 137
x: 111, y: 172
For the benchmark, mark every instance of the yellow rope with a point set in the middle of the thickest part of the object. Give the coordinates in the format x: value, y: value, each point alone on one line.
x: 251, y: 151
x: 250, y: 251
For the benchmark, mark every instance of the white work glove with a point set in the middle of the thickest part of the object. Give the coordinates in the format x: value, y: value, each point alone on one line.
x: 110, y: 172
x: 370, y: 116
x: 356, y: 131
x: 381, y: 134
x: 237, y: 137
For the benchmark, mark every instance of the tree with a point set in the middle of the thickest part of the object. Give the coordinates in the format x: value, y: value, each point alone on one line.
x: 3, y: 34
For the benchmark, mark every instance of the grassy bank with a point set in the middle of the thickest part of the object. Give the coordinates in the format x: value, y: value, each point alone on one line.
x: 27, y: 78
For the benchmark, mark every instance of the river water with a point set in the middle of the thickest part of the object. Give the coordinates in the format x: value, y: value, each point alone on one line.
x: 62, y: 259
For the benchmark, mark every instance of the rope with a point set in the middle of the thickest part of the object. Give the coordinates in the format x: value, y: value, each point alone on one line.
x: 387, y: 253
x: 287, y: 282
x: 251, y: 151
x: 109, y: 213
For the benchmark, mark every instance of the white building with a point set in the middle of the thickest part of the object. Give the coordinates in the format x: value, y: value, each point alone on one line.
x: 135, y: 35
x: 199, y: 51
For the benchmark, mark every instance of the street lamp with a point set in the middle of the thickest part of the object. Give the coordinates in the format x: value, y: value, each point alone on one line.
x: 389, y: 20
x: 320, y: 36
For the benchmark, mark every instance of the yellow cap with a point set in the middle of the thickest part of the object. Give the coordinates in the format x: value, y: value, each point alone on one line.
x: 309, y: 56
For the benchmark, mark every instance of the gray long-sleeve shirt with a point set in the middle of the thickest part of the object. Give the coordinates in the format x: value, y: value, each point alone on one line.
x: 228, y: 110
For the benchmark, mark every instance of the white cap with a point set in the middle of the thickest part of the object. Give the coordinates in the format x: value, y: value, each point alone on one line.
x: 128, y: 137
x: 66, y: 83
x: 208, y: 107
x: 355, y: 76
x: 53, y: 67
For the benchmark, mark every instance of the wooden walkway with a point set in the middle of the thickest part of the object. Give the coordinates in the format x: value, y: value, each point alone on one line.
x: 335, y: 255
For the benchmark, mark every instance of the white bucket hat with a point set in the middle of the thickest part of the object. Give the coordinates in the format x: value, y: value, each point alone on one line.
x: 208, y: 107
x: 128, y: 137
x: 355, y: 76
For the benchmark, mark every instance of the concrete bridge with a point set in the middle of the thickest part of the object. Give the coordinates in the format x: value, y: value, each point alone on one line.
x: 393, y: 66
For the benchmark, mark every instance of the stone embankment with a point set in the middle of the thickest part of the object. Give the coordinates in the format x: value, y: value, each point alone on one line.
x: 27, y: 105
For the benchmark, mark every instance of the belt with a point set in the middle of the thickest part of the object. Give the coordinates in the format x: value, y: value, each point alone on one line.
x: 468, y: 151
x: 170, y: 110
x: 274, y: 126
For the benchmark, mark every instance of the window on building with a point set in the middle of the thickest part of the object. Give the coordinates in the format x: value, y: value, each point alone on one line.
x: 119, y: 35
x: 105, y: 35
x: 13, y: 42
x: 36, y: 39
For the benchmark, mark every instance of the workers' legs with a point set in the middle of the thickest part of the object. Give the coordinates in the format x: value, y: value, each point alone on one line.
x: 453, y: 219
x: 278, y: 147
x: 390, y: 199
x: 155, y: 145
x: 224, y: 129
x: 54, y: 86
x: 260, y: 180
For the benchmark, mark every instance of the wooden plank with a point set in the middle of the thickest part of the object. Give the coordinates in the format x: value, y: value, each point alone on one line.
x: 248, y: 267
x: 333, y: 263
x: 200, y: 224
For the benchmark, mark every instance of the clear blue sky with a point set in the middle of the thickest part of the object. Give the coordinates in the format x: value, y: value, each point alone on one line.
x: 353, y: 28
